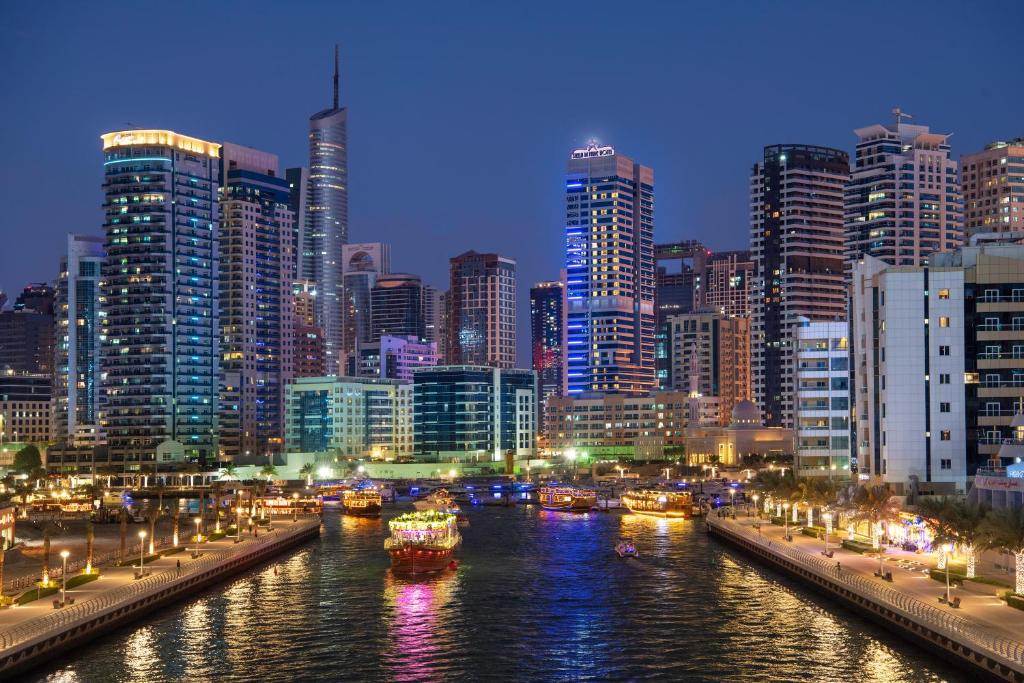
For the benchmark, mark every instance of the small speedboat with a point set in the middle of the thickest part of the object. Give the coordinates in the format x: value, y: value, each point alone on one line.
x: 626, y: 549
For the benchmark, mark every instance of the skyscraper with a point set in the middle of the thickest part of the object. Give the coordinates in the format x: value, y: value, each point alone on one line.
x: 679, y: 287
x: 76, y: 394
x: 729, y: 276
x: 711, y: 359
x: 434, y: 316
x: 310, y: 358
x: 796, y: 242
x: 482, y: 310
x: 298, y: 202
x: 609, y: 229
x: 257, y: 262
x: 396, y: 307
x: 361, y: 265
x: 993, y: 188
x: 159, y: 293
x: 327, y: 220
x: 547, y: 339
x: 903, y: 200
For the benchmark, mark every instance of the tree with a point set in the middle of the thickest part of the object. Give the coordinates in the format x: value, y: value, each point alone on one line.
x: 876, y: 506
x: 27, y: 460
x: 123, y: 519
x: 268, y: 471
x: 152, y: 515
x: 217, y: 489
x: 230, y: 471
x: 89, y: 537
x: 1004, y: 528
x: 307, y: 471
x: 177, y: 526
x: 47, y: 530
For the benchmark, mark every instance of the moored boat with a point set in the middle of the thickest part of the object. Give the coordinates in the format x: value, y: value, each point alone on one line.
x: 659, y: 503
x: 438, y: 500
x: 567, y: 498
x: 422, y: 542
x: 361, y: 502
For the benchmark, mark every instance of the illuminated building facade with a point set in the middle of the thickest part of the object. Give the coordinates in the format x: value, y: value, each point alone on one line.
x: 547, y: 339
x: 25, y: 411
x: 310, y: 356
x: 396, y: 307
x: 729, y: 277
x: 393, y: 358
x: 160, y: 355
x: 711, y: 359
x: 609, y: 230
x: 482, y: 310
x: 362, y: 265
x: 27, y: 332
x: 993, y: 188
x: 823, y: 399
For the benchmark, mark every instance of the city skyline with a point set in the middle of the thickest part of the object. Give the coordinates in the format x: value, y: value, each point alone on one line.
x: 703, y: 177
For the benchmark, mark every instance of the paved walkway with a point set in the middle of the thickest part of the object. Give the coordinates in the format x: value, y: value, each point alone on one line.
x: 978, y: 602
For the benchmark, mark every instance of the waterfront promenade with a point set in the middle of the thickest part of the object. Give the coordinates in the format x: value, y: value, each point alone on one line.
x: 982, y: 622
x: 32, y: 629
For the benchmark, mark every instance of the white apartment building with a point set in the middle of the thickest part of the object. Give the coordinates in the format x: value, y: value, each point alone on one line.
x: 823, y: 399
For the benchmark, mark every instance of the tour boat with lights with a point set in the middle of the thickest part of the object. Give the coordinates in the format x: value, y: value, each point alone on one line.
x: 567, y: 498
x: 423, y: 542
x: 438, y: 500
x: 659, y: 503
x: 361, y: 502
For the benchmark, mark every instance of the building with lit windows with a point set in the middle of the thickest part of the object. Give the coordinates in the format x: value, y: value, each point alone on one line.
x: 609, y: 231
x: 711, y: 359
x: 362, y: 264
x: 396, y: 307
x: 161, y: 351
x: 309, y: 352
x: 435, y: 316
x: 482, y: 310
x: 796, y: 244
x: 77, y: 381
x: 679, y: 287
x: 993, y: 188
x: 728, y: 281
x: 349, y: 417
x: 393, y: 358
x: 27, y: 332
x: 547, y: 339
x: 823, y: 399
x: 903, y: 201
x: 25, y: 408
x: 257, y: 304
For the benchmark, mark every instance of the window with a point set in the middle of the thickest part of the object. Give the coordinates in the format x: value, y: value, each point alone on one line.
x: 946, y: 464
x: 943, y: 293
x: 943, y: 321
x: 943, y: 350
x: 944, y: 435
x: 943, y: 407
x: 943, y: 378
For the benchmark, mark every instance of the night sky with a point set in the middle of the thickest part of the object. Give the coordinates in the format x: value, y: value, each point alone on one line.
x: 462, y: 115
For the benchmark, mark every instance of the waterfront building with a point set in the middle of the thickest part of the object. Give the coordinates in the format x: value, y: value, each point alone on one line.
x: 362, y: 264
x: 352, y: 417
x: 711, y: 358
x: 77, y: 379
x: 823, y: 399
x: 796, y: 243
x: 547, y: 340
x: 396, y: 307
x: 908, y: 340
x: 650, y: 427
x: 474, y: 413
x: 744, y: 437
x: 999, y: 487
x: 25, y: 408
x: 993, y: 188
x: 482, y: 310
x: 27, y: 337
x: 326, y: 230
x: 903, y: 201
x: 728, y: 281
x: 160, y: 354
x: 609, y: 232
x: 393, y: 358
x: 257, y: 304
x: 309, y: 353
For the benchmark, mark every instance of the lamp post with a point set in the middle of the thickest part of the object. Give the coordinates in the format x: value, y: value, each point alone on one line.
x: 732, y: 502
x: 63, y: 576
x: 142, y: 550
x: 238, y: 522
x: 295, y: 507
x: 946, y: 549
x: 827, y: 518
x: 199, y: 537
x: 755, y: 498
x: 785, y: 520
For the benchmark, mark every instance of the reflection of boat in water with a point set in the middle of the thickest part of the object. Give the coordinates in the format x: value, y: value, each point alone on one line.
x: 626, y: 549
x: 567, y: 498
x: 361, y: 503
x: 423, y: 542
x: 438, y: 500
x: 659, y: 503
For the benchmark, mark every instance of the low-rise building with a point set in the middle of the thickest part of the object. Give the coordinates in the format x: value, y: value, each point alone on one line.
x: 25, y: 408
x: 392, y: 358
x: 823, y: 399
x: 745, y: 436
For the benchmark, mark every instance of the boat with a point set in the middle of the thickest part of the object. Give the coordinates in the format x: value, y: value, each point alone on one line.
x: 423, y: 542
x: 567, y: 498
x: 438, y: 500
x: 361, y: 502
x: 657, y: 503
x: 626, y: 549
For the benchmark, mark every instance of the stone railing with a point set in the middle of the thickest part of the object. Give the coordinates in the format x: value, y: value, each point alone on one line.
x: 950, y: 625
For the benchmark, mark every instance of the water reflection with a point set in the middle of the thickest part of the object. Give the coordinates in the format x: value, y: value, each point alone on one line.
x: 418, y: 631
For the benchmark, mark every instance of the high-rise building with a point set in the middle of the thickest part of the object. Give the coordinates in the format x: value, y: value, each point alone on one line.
x: 25, y: 407
x: 27, y: 341
x: 609, y: 232
x: 434, y: 316
x: 361, y: 265
x: 310, y: 356
x: 903, y: 199
x: 396, y: 306
x: 38, y: 296
x: 711, y: 359
x: 160, y: 355
x: 679, y: 287
x: 482, y: 310
x: 393, y: 358
x: 907, y: 335
x: 77, y: 380
x: 547, y: 339
x: 728, y: 280
x: 298, y: 202
x: 474, y: 413
x: 327, y: 220
x: 796, y: 243
x: 823, y: 399
x: 993, y: 188
x: 257, y: 304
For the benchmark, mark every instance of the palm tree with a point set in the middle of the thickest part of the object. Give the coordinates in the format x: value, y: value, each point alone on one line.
x: 23, y: 490
x: 268, y: 471
x: 967, y: 521
x: 89, y: 536
x: 307, y: 471
x: 230, y: 471
x: 941, y: 516
x: 1004, y: 528
x: 202, y: 513
x: 47, y: 530
x: 123, y: 519
x: 152, y: 515
x: 218, y: 492
x: 876, y: 506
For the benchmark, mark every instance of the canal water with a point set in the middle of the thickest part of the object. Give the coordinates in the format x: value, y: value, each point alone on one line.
x: 539, y: 596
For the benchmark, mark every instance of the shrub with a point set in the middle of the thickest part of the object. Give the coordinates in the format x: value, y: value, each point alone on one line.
x: 1015, y: 600
x: 37, y: 593
x: 858, y: 547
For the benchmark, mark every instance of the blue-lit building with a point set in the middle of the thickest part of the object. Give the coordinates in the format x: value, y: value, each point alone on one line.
x: 160, y: 354
x: 609, y: 234
x: 474, y: 413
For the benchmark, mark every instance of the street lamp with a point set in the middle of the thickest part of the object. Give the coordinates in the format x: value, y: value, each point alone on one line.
x: 238, y: 522
x: 63, y: 575
x: 142, y: 550
x: 199, y: 536
x: 295, y: 507
x: 947, y: 548
x: 732, y: 502
x: 785, y: 520
x: 755, y: 498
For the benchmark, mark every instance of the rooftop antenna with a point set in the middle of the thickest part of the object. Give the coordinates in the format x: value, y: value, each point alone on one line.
x: 900, y: 115
x: 335, y: 75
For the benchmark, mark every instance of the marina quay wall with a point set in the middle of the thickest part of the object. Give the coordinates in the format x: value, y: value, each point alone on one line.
x: 954, y: 638
x: 42, y: 638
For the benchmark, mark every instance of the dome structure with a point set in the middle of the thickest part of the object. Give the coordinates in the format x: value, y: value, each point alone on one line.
x: 747, y: 415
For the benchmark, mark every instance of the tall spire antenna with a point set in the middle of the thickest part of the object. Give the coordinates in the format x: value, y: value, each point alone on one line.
x: 335, y: 75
